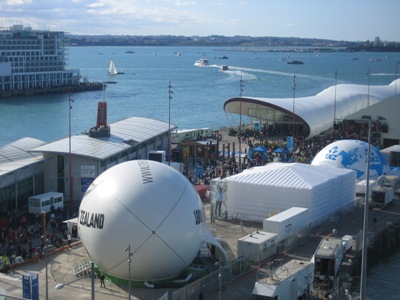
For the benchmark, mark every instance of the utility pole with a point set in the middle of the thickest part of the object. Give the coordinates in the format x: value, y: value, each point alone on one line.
x: 294, y: 97
x: 70, y: 153
x: 128, y: 249
x: 240, y: 122
x: 170, y: 92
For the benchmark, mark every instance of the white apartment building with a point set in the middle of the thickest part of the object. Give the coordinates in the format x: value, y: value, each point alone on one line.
x: 33, y: 59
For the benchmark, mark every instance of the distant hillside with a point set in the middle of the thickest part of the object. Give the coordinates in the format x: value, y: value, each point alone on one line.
x: 224, y: 41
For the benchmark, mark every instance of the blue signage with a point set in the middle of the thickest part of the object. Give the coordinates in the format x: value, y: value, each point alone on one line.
x: 30, y: 286
x: 290, y: 144
x: 85, y: 183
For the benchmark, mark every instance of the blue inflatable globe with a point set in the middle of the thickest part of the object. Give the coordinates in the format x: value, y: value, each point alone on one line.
x: 352, y: 154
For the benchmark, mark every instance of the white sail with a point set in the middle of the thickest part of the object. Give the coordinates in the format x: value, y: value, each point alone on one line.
x: 111, y: 69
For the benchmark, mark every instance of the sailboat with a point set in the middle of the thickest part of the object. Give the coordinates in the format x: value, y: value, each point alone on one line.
x: 112, y: 70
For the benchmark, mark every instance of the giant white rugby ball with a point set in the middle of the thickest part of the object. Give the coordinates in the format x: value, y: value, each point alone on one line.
x: 149, y: 206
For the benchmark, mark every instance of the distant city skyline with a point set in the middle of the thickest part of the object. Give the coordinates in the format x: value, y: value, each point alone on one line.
x: 342, y: 20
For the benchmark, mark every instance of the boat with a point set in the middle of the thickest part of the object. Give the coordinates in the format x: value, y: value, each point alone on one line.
x: 224, y: 68
x: 110, y: 82
x: 112, y: 70
x: 295, y: 62
x: 223, y: 57
x: 202, y: 62
x: 129, y: 51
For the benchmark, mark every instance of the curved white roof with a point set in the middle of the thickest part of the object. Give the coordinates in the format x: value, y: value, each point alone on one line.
x: 315, y: 112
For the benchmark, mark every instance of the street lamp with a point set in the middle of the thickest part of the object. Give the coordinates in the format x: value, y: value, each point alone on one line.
x: 128, y: 249
x: 395, y: 79
x: 369, y: 81
x: 365, y: 225
x: 62, y: 285
x: 294, y: 97
x: 240, y: 123
x: 219, y: 264
x: 219, y: 281
x: 334, y: 106
x: 170, y: 92
x: 44, y: 242
x: 70, y: 152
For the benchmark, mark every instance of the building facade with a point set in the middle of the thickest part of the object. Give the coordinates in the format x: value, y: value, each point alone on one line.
x: 33, y: 59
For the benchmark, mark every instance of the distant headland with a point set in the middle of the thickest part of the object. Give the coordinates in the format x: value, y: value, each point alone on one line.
x: 377, y: 45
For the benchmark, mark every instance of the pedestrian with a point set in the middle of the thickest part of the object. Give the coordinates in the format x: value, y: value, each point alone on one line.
x: 102, y: 277
x: 219, y: 198
x: 69, y: 238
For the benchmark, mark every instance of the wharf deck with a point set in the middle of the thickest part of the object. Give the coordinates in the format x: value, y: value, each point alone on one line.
x: 84, y: 87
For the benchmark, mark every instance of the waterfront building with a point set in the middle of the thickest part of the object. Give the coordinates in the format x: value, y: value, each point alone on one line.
x: 30, y: 167
x: 340, y: 107
x: 33, y: 59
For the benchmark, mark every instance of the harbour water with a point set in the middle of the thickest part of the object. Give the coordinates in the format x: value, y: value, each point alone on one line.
x: 198, y: 96
x: 198, y: 92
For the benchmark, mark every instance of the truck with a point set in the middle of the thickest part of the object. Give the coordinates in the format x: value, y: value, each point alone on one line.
x: 289, y: 281
x: 382, y: 196
x: 157, y: 155
x: 189, y: 135
x: 287, y: 225
x: 328, y: 258
x: 258, y: 245
x: 44, y: 202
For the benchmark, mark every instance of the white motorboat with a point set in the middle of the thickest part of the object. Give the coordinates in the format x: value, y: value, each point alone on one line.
x: 202, y: 62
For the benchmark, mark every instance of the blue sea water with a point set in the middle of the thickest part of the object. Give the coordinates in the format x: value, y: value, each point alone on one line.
x: 198, y: 96
x: 198, y: 92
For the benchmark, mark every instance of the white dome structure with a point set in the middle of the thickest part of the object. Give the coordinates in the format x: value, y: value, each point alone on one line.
x: 152, y: 208
x: 352, y: 154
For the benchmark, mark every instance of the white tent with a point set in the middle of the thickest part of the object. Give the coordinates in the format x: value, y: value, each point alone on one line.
x: 260, y: 192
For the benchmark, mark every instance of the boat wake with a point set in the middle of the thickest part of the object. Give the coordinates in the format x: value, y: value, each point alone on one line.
x: 235, y: 72
x: 280, y: 73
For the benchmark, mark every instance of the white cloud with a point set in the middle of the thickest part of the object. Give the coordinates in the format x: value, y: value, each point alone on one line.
x: 195, y: 17
x: 18, y: 2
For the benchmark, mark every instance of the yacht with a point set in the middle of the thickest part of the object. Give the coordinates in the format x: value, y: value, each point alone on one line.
x: 295, y: 62
x: 202, y: 62
x: 224, y: 68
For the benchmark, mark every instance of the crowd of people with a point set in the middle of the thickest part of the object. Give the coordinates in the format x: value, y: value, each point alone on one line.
x: 23, y: 237
x: 274, y: 149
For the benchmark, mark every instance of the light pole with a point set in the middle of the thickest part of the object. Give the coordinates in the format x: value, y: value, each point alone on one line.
x: 240, y: 122
x: 363, y: 283
x: 219, y: 282
x: 62, y: 285
x: 369, y: 81
x: 334, y: 105
x: 170, y: 92
x: 294, y: 97
x: 395, y: 79
x: 128, y: 249
x: 219, y: 264
x: 44, y: 242
x: 70, y: 152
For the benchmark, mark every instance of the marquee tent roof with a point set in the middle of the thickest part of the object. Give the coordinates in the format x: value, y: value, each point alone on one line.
x: 315, y: 112
x: 257, y: 192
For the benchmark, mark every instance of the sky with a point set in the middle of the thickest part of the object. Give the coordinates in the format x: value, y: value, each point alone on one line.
x: 342, y: 20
